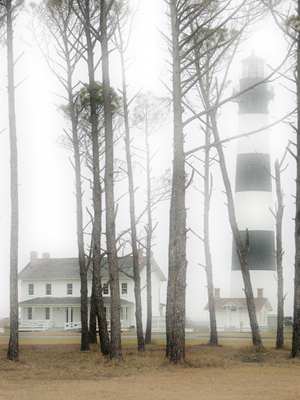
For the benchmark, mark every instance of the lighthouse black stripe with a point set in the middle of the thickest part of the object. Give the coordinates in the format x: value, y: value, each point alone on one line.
x: 261, y: 254
x: 251, y: 173
x: 256, y: 99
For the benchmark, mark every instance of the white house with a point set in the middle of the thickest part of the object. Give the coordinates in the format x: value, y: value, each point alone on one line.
x: 232, y: 313
x: 50, y: 292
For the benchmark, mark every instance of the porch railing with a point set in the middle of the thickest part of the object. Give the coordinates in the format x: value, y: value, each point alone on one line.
x: 35, y: 325
x: 69, y: 326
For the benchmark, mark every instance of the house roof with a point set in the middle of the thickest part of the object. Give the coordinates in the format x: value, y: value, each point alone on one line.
x: 240, y: 302
x: 65, y: 301
x: 68, y: 268
x: 52, y: 268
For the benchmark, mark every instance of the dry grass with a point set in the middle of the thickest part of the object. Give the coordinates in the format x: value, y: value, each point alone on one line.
x: 55, y: 368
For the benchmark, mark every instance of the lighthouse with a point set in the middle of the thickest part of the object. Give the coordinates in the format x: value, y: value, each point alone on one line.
x: 253, y: 185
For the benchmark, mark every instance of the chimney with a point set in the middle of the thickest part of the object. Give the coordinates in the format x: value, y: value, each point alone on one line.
x: 217, y: 293
x: 260, y: 293
x: 46, y: 255
x: 141, y: 256
x: 33, y: 258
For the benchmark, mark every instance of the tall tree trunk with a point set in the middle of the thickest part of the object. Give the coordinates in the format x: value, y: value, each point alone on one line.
x: 175, y: 313
x: 205, y: 83
x: 296, y: 323
x: 135, y: 255
x: 79, y: 211
x: 13, y: 346
x: 148, y: 244
x: 109, y: 193
x: 208, y: 261
x: 242, y: 248
x: 97, y: 193
x: 101, y: 314
x: 93, y: 313
x: 279, y: 254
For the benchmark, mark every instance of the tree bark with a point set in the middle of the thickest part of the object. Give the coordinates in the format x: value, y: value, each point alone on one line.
x: 279, y: 254
x: 105, y: 346
x: 93, y: 314
x: 13, y: 346
x: 79, y: 212
x: 208, y: 261
x: 148, y: 243
x: 206, y: 88
x: 135, y: 255
x: 109, y: 194
x: 175, y: 313
x: 296, y: 323
x: 97, y: 193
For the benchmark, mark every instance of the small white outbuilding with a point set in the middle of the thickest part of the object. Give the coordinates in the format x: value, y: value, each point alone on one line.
x: 232, y: 313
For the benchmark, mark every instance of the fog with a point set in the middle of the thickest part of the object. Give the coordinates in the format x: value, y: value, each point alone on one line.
x: 46, y: 177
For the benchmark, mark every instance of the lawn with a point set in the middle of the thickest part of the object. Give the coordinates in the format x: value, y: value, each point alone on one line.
x: 54, y: 368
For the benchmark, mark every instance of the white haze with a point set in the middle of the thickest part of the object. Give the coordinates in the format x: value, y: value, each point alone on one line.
x: 46, y: 178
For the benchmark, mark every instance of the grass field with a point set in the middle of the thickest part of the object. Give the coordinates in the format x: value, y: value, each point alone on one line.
x: 54, y: 368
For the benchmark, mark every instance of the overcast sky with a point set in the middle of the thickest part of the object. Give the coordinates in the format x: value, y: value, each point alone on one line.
x: 46, y: 178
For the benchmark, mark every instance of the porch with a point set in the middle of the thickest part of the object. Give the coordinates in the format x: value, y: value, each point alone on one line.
x: 41, y: 314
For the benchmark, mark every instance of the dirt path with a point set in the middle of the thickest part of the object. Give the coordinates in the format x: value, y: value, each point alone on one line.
x: 252, y: 382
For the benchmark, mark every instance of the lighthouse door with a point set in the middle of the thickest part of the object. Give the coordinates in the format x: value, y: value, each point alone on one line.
x: 233, y: 312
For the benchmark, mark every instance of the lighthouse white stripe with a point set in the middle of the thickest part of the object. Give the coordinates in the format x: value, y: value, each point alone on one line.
x: 252, y: 210
x: 258, y: 142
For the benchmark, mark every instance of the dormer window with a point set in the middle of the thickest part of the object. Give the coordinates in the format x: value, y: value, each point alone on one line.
x: 48, y: 289
x: 30, y: 289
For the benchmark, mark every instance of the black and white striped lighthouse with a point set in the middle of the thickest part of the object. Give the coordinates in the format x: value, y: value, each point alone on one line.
x: 253, y: 186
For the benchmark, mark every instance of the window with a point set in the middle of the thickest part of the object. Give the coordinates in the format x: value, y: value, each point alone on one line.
x: 29, y: 313
x: 48, y: 289
x: 105, y: 288
x: 31, y: 289
x: 124, y: 288
x: 70, y: 288
x: 47, y: 313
